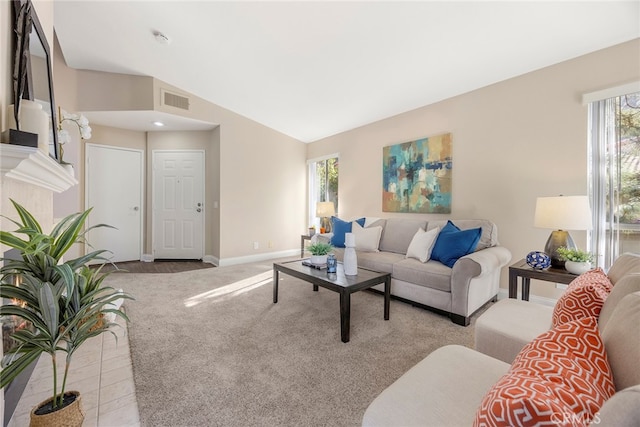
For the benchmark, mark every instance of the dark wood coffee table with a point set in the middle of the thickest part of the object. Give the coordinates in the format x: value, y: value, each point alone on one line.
x: 337, y: 282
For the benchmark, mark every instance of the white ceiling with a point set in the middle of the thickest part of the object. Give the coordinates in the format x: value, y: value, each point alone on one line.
x: 314, y: 69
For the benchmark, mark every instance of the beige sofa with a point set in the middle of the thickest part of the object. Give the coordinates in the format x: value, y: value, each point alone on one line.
x: 459, y: 291
x: 447, y: 387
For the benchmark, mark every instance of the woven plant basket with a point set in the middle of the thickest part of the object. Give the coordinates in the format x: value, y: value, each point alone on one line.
x: 70, y: 416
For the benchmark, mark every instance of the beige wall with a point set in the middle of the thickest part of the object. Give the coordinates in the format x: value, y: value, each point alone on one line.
x: 255, y: 174
x: 512, y: 142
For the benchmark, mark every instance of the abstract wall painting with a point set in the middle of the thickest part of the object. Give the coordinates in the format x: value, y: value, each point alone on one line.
x: 417, y: 176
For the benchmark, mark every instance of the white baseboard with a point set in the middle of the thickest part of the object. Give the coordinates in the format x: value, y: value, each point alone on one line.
x: 207, y: 258
x: 504, y: 293
x: 257, y: 258
x: 211, y: 260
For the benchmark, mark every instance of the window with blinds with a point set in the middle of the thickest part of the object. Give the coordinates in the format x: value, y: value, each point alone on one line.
x: 614, y: 175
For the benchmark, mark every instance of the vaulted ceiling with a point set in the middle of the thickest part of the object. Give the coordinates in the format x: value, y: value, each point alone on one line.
x: 313, y: 69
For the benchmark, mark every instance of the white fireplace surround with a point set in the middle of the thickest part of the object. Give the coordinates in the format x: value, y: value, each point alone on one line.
x: 34, y: 167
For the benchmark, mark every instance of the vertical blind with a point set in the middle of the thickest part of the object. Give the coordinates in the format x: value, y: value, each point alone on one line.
x: 604, y: 186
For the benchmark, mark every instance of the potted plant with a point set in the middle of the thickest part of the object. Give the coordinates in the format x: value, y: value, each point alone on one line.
x: 319, y: 251
x: 576, y: 260
x: 64, y: 301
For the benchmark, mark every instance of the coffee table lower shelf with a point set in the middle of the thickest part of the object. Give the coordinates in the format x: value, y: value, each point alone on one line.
x: 338, y: 282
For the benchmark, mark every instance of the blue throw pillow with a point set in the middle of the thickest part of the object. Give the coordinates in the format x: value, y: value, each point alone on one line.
x: 339, y: 228
x: 453, y: 243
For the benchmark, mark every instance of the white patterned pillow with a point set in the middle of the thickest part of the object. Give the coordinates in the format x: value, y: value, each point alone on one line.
x: 422, y: 244
x: 367, y: 239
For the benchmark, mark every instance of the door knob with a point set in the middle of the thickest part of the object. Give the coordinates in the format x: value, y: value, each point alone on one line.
x: 198, y: 210
x: 135, y: 208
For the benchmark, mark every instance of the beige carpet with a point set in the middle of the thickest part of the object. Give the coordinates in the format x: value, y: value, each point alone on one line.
x: 210, y: 348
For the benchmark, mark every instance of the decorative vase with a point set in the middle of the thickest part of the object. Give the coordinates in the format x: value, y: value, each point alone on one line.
x: 32, y: 119
x: 538, y: 260
x: 577, y: 267
x: 350, y: 262
x: 71, y: 415
x: 318, y: 259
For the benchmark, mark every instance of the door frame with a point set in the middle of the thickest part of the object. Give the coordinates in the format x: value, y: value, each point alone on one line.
x: 153, y: 196
x: 142, y: 186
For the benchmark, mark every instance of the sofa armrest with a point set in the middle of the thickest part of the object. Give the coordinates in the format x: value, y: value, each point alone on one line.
x: 475, y: 279
x: 485, y: 261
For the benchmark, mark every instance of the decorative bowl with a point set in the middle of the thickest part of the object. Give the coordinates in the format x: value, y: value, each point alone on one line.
x: 538, y: 260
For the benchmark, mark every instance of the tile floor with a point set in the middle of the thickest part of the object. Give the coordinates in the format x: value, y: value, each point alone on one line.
x: 101, y: 370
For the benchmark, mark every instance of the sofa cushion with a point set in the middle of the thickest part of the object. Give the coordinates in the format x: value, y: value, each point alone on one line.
x: 422, y: 244
x: 622, y: 341
x: 377, y: 261
x: 496, y: 337
x: 398, y: 232
x: 431, y: 274
x: 367, y: 239
x: 453, y: 243
x: 584, y: 297
x: 374, y: 222
x: 488, y: 238
x: 627, y: 285
x: 443, y: 389
x: 625, y: 264
x: 339, y: 228
x: 560, y: 376
x: 622, y: 410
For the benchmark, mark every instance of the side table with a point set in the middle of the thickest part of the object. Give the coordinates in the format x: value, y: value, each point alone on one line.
x: 303, y: 237
x: 522, y: 269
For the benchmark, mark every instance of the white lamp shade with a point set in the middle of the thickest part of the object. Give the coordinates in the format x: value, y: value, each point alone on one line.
x: 325, y: 209
x: 563, y: 213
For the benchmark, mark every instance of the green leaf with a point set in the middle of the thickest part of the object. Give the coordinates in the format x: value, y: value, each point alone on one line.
x: 69, y: 235
x: 49, y: 309
x: 27, y: 219
x: 10, y: 372
x: 12, y: 241
x: 24, y: 313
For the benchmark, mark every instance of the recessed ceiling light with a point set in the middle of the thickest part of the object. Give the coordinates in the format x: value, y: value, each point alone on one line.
x: 158, y: 123
x: 161, y: 38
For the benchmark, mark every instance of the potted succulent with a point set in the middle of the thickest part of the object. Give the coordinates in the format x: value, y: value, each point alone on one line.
x: 576, y: 261
x: 64, y: 301
x: 319, y: 252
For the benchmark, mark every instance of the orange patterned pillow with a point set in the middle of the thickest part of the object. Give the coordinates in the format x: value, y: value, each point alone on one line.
x: 560, y: 378
x: 583, y: 298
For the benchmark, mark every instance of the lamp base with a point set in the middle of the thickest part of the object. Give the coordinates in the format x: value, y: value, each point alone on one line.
x: 325, y: 223
x: 558, y: 238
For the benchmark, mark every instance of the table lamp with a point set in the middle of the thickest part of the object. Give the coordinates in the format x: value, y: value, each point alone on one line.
x: 562, y: 213
x: 325, y: 210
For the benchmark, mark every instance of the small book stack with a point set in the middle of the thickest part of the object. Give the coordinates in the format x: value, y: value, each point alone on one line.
x: 308, y: 263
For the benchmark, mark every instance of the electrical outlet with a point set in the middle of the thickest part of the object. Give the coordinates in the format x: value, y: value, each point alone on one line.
x: 270, y: 244
x: 256, y: 245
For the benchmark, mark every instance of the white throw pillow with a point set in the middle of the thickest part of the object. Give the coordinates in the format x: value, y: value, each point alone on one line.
x: 367, y: 239
x: 422, y: 244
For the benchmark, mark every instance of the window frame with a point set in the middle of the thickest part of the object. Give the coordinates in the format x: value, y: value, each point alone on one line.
x: 312, y: 190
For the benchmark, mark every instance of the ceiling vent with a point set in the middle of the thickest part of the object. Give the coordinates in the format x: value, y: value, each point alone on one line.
x: 174, y: 100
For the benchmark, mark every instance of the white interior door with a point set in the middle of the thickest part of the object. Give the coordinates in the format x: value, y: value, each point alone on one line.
x: 178, y: 204
x: 114, y: 188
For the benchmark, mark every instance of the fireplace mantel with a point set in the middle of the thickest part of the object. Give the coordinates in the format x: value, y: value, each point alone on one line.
x: 34, y: 167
